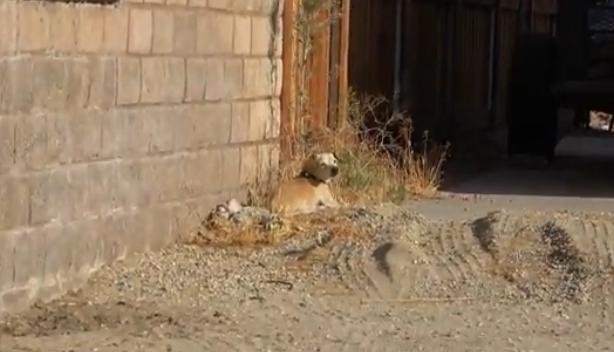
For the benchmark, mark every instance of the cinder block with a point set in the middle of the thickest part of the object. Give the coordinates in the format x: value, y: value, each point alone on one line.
x: 85, y: 250
x: 249, y: 164
x: 56, y: 128
x: 31, y: 141
x: 103, y: 78
x: 177, y: 2
x: 63, y: 20
x: 7, y: 143
x: 185, y: 32
x: 197, y: 3
x: 243, y: 35
x: 101, y: 184
x: 5, y: 86
x: 132, y: 189
x: 163, y: 80
x: 19, y: 94
x: 231, y: 168
x: 203, y: 172
x: 163, y: 26
x: 218, y: 119
x: 33, y: 26
x: 264, y: 161
x: 81, y: 135
x: 56, y: 195
x: 267, y: 76
x: 184, y: 126
x: 176, y: 80
x: 8, y: 30
x: 274, y: 120
x: 140, y: 31
x: 114, y: 123
x: 186, y: 216
x: 156, y: 227
x: 193, y: 182
x: 114, y: 235
x: 153, y: 1
x: 57, y: 254
x: 7, y: 260
x: 14, y: 205
x: 215, y: 33
x: 201, y: 126
x: 158, y: 127
x: 151, y: 183
x: 215, y: 85
x: 129, y: 80
x: 240, y: 122
x: 183, y: 220
x: 78, y: 82
x: 123, y: 134
x: 261, y: 35
x: 116, y: 29
x: 251, y: 76
x: 233, y: 78
x: 221, y: 4
x: 259, y: 114
x: 163, y: 173
x: 29, y: 259
x: 91, y: 29
x: 50, y: 83
x: 196, y: 78
x: 248, y: 5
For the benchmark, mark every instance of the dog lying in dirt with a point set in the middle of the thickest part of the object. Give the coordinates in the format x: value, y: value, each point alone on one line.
x: 310, y: 190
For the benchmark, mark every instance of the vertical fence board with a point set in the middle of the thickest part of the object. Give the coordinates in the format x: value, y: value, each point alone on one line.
x: 342, y: 78
x: 320, y: 72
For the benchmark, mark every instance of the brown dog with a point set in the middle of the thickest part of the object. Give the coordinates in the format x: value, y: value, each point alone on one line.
x: 309, y: 191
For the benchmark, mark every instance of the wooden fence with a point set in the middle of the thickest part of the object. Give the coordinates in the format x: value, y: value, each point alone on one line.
x: 455, y: 60
x: 327, y: 65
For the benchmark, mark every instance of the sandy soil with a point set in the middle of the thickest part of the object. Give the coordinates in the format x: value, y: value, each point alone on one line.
x: 504, y: 282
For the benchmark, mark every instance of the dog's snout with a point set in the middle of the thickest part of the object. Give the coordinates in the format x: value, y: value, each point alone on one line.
x: 335, y: 170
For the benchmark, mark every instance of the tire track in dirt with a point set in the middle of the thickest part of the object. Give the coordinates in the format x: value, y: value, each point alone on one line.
x: 596, y: 239
x: 542, y: 256
x: 446, y: 269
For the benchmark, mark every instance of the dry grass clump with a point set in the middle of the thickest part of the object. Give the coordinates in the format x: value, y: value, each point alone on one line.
x: 222, y: 232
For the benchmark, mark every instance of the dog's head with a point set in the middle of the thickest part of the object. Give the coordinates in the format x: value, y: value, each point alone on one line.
x: 322, y: 166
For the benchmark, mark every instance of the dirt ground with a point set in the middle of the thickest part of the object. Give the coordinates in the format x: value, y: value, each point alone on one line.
x: 503, y: 282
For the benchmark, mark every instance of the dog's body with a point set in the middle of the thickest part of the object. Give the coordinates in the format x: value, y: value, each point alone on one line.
x: 309, y: 191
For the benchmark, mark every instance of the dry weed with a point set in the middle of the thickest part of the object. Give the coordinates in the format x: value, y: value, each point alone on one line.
x: 221, y: 232
x: 224, y: 233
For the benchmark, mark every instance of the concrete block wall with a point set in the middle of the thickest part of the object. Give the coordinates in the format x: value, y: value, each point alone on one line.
x: 121, y: 125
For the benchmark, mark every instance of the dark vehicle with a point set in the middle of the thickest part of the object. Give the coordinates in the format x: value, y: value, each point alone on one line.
x: 573, y: 69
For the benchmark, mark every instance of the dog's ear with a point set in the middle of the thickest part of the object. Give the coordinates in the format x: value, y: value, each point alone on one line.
x: 336, y: 156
